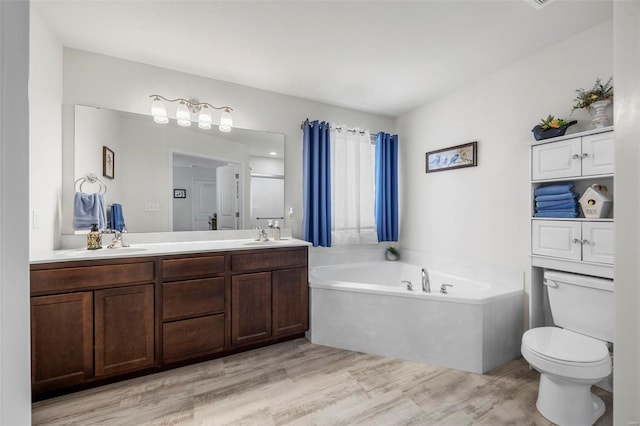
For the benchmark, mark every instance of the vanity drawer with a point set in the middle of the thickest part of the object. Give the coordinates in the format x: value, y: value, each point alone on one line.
x: 192, y: 267
x: 269, y: 259
x: 65, y: 279
x: 192, y: 298
x: 192, y: 338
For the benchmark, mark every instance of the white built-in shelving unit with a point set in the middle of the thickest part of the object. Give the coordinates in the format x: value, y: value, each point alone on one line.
x: 580, y: 245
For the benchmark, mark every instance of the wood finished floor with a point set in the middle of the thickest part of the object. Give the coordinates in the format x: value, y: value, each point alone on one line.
x: 298, y: 383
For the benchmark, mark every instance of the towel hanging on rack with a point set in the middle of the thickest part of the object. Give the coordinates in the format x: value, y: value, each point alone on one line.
x: 90, y: 178
x: 88, y: 209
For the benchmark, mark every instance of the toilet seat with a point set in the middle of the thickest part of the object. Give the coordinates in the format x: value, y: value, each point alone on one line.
x: 565, y: 353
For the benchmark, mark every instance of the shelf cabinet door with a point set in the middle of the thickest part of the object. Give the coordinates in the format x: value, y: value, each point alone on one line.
x: 124, y: 328
x: 557, y: 239
x: 290, y: 301
x: 556, y: 160
x: 250, y: 308
x: 597, y: 154
x: 61, y: 340
x: 597, y: 239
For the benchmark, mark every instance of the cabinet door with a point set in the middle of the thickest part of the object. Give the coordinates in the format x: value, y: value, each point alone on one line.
x: 557, y: 239
x: 597, y: 154
x: 556, y: 160
x: 61, y: 340
x: 290, y: 301
x: 124, y: 329
x: 250, y: 308
x: 597, y: 242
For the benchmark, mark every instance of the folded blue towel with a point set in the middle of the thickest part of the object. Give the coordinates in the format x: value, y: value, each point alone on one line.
x: 556, y: 205
x: 558, y: 197
x: 556, y: 188
x: 557, y: 214
x: 116, y: 219
x: 88, y: 209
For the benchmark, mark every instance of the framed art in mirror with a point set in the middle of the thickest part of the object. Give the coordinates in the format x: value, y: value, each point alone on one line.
x: 108, y: 162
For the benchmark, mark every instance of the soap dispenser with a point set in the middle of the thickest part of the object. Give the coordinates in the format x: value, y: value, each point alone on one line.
x: 94, y: 238
x: 276, y: 231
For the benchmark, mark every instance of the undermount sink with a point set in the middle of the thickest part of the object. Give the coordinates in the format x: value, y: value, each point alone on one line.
x: 265, y: 243
x: 105, y: 251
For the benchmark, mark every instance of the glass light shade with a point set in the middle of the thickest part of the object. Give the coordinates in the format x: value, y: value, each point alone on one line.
x: 226, y: 122
x: 204, y: 118
x: 183, y: 115
x: 159, y: 112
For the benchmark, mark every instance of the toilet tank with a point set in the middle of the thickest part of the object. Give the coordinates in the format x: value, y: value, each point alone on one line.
x: 581, y: 303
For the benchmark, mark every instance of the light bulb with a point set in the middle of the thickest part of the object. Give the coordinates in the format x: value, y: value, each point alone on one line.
x: 204, y: 118
x: 226, y: 122
x: 159, y: 112
x: 183, y: 115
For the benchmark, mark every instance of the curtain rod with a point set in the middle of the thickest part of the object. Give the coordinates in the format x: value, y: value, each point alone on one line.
x: 340, y: 128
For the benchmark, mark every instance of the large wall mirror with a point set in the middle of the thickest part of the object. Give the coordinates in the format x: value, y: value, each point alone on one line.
x: 171, y: 178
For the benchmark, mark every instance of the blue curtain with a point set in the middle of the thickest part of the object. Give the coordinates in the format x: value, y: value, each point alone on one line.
x: 316, y: 175
x: 387, y: 187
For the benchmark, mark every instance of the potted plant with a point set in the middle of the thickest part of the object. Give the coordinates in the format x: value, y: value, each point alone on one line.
x: 596, y: 99
x: 551, y: 127
x: 392, y: 254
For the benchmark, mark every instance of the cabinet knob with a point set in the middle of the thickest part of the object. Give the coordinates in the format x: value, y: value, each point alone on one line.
x: 585, y: 155
x: 585, y: 242
x: 576, y: 156
x: 577, y: 241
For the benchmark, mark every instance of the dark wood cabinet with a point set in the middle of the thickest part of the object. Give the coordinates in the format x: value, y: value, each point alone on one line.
x: 290, y: 301
x: 250, y: 308
x: 61, y: 340
x: 124, y: 329
x: 95, y: 320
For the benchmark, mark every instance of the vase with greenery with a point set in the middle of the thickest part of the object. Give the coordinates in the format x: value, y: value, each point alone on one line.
x: 392, y: 253
x: 596, y: 100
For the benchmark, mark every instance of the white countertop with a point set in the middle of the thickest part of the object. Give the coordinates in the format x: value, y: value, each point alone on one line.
x: 161, y: 249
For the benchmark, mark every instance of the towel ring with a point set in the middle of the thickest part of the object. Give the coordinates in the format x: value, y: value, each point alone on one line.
x: 91, y: 178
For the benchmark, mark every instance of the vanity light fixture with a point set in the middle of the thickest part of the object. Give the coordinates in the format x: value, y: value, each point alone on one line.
x: 187, y: 108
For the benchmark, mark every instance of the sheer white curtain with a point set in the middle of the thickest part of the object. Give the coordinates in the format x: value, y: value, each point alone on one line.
x: 352, y: 186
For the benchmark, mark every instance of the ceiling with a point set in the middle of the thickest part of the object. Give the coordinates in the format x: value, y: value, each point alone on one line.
x: 385, y: 57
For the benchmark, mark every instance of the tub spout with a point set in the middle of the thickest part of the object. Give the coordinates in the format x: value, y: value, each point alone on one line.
x: 426, y: 284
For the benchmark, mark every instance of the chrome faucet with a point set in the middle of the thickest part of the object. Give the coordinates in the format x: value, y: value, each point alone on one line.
x: 262, y: 235
x: 117, y: 241
x: 409, y: 285
x: 443, y: 288
x: 426, y: 284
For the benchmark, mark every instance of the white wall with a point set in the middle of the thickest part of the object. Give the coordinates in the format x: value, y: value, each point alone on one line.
x: 45, y: 132
x: 97, y: 80
x: 627, y: 270
x: 15, y: 369
x: 481, y: 214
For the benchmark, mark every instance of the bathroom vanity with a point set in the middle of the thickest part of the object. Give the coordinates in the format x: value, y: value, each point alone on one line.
x: 99, y: 320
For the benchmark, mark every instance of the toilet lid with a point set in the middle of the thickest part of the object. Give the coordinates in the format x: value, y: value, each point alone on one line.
x: 565, y: 345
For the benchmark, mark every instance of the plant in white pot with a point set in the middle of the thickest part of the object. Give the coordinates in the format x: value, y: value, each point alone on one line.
x: 392, y: 253
x: 596, y: 99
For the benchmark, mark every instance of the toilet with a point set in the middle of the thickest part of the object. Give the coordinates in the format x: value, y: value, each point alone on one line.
x: 573, y: 355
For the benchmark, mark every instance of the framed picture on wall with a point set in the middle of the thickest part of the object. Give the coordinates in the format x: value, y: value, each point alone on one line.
x: 108, y: 162
x: 455, y: 157
x: 179, y: 193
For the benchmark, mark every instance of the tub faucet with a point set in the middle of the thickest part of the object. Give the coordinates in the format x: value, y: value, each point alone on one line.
x: 426, y: 284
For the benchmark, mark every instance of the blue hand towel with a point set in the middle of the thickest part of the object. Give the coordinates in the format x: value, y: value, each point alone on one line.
x: 556, y: 205
x: 116, y: 221
x: 558, y: 197
x: 556, y: 188
x: 557, y: 214
x: 88, y: 209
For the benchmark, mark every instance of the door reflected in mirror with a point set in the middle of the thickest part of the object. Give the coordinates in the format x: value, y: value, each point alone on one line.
x: 232, y: 180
